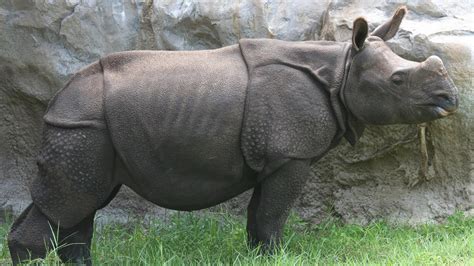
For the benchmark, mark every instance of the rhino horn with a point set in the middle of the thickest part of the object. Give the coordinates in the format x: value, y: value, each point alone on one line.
x: 387, y: 30
x: 434, y: 64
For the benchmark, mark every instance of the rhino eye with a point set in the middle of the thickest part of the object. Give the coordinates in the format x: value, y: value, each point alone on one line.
x: 398, y: 77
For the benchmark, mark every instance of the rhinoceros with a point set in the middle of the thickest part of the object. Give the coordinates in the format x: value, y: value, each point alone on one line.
x: 187, y: 130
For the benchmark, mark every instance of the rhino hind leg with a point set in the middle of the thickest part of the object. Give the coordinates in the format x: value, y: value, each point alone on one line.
x: 75, y: 179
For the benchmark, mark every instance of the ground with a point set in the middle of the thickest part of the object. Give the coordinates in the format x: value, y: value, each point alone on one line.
x: 190, y: 239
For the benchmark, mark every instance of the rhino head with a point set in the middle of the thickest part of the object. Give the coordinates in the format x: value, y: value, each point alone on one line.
x: 383, y: 88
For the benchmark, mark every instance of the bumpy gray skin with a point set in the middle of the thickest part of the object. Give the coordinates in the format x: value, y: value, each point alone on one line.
x: 188, y: 130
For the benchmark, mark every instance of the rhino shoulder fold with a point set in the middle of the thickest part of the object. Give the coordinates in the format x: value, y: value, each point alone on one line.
x: 80, y: 102
x: 288, y: 112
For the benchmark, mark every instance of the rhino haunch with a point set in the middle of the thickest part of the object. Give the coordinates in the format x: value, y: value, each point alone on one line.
x: 188, y: 130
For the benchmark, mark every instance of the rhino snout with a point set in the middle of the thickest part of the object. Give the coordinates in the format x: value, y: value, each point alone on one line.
x: 446, y: 96
x: 447, y: 101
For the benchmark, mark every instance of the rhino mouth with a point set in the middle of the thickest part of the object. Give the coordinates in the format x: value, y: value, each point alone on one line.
x: 443, y: 112
x: 440, y: 110
x: 443, y: 104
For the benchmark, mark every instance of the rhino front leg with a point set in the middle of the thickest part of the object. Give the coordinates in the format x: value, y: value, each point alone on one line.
x: 77, y: 242
x: 252, y: 237
x: 278, y: 193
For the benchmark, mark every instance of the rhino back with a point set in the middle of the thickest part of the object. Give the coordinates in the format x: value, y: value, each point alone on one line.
x: 175, y: 119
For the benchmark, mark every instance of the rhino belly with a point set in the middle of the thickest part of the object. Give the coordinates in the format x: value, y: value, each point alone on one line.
x: 175, y: 119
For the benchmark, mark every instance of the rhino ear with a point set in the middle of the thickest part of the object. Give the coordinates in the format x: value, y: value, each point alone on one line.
x: 360, y: 30
x: 387, y: 30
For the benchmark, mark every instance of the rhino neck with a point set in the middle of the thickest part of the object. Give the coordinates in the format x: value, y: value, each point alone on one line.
x: 351, y: 127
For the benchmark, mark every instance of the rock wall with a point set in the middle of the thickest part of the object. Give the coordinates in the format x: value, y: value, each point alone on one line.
x: 42, y: 43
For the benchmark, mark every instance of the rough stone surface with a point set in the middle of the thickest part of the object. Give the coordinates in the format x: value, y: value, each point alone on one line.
x: 42, y: 43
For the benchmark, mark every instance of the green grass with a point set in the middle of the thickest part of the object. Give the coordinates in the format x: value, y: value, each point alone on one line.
x: 187, y: 239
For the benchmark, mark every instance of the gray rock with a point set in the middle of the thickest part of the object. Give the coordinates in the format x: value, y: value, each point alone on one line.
x: 42, y: 43
x: 189, y: 25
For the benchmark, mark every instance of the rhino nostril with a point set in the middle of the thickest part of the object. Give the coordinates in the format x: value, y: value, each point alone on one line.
x: 444, y: 96
x: 447, y: 101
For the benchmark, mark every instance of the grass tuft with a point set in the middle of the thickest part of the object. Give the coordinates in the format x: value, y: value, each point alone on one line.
x: 189, y: 239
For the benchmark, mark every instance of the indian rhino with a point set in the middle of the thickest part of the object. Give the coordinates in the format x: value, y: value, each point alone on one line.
x: 190, y: 129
